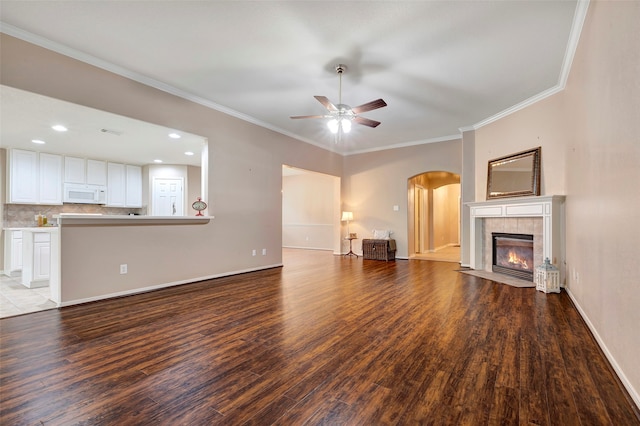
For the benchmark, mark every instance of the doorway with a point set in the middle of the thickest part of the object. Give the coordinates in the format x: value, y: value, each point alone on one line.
x: 310, y: 210
x: 168, y: 199
x: 434, y: 216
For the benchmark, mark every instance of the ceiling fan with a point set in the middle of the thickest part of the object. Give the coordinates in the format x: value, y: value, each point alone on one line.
x: 341, y: 115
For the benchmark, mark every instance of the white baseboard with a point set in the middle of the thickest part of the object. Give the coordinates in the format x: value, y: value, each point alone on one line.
x: 164, y: 285
x: 625, y: 382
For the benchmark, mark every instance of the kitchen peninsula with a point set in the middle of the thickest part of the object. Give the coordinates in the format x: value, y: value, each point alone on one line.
x: 103, y: 256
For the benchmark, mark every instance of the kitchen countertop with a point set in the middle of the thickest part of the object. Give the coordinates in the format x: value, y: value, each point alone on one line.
x: 71, y: 219
x: 34, y: 229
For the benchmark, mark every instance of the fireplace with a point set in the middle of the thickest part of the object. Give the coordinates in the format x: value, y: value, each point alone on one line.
x: 513, y: 255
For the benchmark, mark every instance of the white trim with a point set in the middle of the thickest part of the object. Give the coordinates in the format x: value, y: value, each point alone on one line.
x: 579, y: 16
x: 131, y: 75
x: 517, y: 107
x: 548, y: 207
x: 625, y: 382
x: 406, y: 144
x: 574, y: 37
x: 572, y: 44
x: 308, y: 248
x: 165, y: 285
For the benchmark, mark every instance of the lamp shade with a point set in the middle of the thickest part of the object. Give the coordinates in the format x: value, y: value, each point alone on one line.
x: 347, y: 216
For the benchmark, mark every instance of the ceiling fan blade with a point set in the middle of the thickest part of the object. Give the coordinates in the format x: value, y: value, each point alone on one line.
x: 326, y: 102
x: 366, y: 121
x: 307, y: 116
x: 369, y: 106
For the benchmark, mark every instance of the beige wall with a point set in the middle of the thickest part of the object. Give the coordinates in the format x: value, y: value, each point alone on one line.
x: 542, y: 124
x: 376, y: 182
x: 590, y: 138
x: 309, y: 211
x: 602, y: 158
x: 445, y: 211
x: 244, y: 184
x: 3, y: 162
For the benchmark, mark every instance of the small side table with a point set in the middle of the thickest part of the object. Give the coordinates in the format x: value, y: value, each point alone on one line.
x: 351, y: 253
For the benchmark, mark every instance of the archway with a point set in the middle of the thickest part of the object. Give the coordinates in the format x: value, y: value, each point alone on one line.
x: 434, y: 216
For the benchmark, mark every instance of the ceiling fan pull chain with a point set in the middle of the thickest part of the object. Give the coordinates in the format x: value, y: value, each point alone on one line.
x: 340, y: 87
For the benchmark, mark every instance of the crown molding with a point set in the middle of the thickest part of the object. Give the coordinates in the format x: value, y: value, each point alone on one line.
x: 579, y: 16
x: 574, y: 37
x: 407, y: 144
x: 156, y: 84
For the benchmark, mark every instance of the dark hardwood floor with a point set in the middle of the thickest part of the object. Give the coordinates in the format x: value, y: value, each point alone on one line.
x: 324, y: 340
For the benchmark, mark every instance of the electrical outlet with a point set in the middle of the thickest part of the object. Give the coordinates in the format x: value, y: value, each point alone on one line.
x: 264, y: 252
x: 123, y: 269
x: 253, y: 252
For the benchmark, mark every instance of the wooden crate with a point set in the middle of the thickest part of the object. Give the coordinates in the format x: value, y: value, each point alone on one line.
x: 379, y: 249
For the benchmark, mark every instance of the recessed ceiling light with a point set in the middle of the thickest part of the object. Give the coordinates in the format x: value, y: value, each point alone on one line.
x: 174, y: 136
x: 38, y: 141
x: 157, y: 161
x: 59, y: 128
x: 188, y: 153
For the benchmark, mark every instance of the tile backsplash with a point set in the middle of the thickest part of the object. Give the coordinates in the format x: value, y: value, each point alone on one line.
x: 23, y: 215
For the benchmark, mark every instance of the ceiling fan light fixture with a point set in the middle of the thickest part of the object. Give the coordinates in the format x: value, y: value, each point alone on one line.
x: 342, y: 115
x: 346, y: 125
x: 333, y: 125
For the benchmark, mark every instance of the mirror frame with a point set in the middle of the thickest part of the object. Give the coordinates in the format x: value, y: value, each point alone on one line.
x: 532, y: 189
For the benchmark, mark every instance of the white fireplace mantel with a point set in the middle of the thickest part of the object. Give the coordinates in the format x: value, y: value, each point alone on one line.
x: 550, y: 208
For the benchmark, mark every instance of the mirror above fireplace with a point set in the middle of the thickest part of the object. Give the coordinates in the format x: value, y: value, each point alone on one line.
x: 516, y: 175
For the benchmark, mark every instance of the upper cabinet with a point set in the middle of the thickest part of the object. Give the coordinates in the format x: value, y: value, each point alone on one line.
x: 85, y: 171
x: 74, y: 170
x: 34, y: 178
x: 38, y: 177
x: 23, y: 176
x: 50, y: 178
x: 133, y: 196
x: 96, y: 172
x: 116, y: 185
x: 124, y: 185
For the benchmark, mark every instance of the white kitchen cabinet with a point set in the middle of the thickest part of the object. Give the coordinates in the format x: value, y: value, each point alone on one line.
x: 74, y: 170
x: 36, y: 257
x: 41, y: 257
x: 85, y: 171
x: 23, y: 176
x: 34, y: 178
x: 50, y: 178
x: 12, y: 252
x: 133, y: 195
x: 116, y: 185
x: 96, y: 172
x: 124, y: 185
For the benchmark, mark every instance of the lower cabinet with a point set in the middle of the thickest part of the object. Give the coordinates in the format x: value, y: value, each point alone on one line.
x: 12, y: 252
x: 41, y: 257
x: 36, y: 259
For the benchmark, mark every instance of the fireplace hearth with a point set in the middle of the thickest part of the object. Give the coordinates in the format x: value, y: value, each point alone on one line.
x: 513, y: 255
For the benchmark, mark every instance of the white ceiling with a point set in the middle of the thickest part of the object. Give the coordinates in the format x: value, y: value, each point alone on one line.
x: 439, y: 65
x: 91, y: 133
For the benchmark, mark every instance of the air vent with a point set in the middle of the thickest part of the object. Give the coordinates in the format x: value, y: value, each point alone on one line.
x: 111, y: 132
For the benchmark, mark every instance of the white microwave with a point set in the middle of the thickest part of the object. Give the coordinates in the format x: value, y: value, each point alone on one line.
x: 84, y: 194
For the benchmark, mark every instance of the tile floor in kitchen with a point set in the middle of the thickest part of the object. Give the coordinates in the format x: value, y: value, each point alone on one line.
x: 16, y: 299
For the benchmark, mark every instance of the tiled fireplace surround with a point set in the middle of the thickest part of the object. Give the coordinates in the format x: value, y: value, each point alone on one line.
x: 542, y: 217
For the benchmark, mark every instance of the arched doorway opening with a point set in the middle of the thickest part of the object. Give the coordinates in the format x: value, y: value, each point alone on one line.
x: 434, y: 216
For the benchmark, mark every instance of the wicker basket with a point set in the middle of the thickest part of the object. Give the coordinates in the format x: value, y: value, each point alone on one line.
x: 378, y: 249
